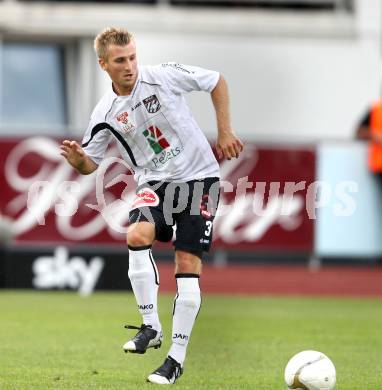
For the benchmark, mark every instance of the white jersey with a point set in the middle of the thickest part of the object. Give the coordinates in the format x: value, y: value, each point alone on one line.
x: 156, y: 133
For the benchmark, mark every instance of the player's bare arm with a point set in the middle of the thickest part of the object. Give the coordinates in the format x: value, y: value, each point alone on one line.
x: 228, y: 145
x: 77, y: 158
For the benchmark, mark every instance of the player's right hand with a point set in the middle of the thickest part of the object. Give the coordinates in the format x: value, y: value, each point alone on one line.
x: 228, y: 145
x: 73, y: 153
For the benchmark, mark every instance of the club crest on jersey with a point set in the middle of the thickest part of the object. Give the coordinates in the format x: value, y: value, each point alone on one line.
x: 152, y: 104
x: 123, y: 120
x: 145, y: 197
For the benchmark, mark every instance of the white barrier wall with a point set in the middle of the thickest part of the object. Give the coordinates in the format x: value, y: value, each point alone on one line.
x: 347, y: 225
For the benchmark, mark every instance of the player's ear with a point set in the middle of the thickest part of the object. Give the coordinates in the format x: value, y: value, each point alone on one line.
x: 102, y: 63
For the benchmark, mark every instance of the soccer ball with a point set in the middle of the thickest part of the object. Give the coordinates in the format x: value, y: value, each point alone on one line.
x: 310, y: 370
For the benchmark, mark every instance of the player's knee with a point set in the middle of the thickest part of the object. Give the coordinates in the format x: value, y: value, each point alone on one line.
x: 187, y: 262
x: 137, y: 240
x: 138, y: 236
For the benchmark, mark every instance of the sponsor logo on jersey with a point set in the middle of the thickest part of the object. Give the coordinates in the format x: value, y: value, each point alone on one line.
x: 145, y: 197
x: 123, y: 117
x: 166, y: 155
x: 152, y: 104
x: 156, y: 139
x: 136, y: 106
x: 126, y: 125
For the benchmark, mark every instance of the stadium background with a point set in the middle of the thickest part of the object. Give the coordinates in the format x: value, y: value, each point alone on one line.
x: 301, y: 74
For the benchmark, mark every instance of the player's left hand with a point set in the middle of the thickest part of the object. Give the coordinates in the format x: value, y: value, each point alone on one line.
x: 228, y: 145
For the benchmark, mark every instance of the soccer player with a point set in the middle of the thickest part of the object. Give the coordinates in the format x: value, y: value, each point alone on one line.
x: 177, y: 179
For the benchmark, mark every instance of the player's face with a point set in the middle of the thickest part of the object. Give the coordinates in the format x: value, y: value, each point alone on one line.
x: 121, y: 65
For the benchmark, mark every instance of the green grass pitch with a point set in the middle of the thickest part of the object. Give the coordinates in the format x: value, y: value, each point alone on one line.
x: 58, y: 340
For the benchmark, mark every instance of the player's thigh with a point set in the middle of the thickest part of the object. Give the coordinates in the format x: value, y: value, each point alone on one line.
x: 153, y: 216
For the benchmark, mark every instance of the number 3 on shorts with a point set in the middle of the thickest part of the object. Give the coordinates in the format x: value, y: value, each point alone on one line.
x: 207, y: 232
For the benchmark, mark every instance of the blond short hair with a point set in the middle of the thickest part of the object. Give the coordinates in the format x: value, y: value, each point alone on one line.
x: 110, y: 36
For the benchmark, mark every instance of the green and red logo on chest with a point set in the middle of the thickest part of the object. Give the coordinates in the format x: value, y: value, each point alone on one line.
x: 156, y: 139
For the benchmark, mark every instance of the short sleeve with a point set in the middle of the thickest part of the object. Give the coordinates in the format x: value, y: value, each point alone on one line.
x: 95, y: 140
x: 185, y: 78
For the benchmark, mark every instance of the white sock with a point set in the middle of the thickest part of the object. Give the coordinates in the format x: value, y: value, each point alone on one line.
x: 186, y: 308
x: 144, y: 278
